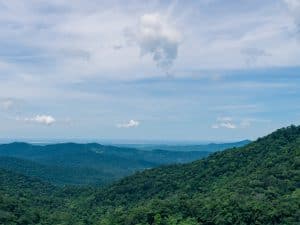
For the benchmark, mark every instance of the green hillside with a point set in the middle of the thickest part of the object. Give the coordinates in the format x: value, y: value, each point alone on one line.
x: 255, y: 184
x: 59, y: 175
x: 24, y: 200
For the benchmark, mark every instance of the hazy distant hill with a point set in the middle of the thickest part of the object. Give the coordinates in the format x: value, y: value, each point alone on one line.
x: 251, y: 185
x: 211, y: 147
x: 71, y: 163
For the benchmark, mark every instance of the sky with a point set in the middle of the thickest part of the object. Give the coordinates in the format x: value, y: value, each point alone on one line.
x: 198, y: 70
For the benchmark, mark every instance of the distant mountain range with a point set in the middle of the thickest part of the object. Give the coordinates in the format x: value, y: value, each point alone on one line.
x: 211, y: 147
x: 82, y: 164
x: 255, y: 184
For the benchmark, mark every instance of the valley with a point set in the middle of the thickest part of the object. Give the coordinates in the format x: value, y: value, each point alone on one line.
x: 254, y: 184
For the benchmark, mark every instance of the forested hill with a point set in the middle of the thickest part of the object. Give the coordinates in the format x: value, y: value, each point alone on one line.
x: 255, y: 184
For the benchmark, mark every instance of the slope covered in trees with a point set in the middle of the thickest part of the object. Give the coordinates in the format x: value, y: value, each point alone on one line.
x: 255, y: 184
x: 55, y: 174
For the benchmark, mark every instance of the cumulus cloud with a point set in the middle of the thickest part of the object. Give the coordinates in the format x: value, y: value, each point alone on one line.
x: 41, y: 119
x: 230, y: 123
x: 129, y: 124
x: 157, y: 37
x: 224, y: 122
x: 78, y: 42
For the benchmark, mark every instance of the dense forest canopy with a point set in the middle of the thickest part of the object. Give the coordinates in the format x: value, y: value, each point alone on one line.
x: 255, y: 184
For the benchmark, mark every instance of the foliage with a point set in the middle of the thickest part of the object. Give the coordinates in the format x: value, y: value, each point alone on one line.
x: 255, y: 184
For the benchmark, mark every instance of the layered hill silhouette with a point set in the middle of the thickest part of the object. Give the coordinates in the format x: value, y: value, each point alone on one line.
x: 211, y: 147
x: 85, y: 164
x: 255, y: 184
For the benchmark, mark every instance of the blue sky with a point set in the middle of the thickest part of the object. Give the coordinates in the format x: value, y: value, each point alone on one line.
x: 207, y: 70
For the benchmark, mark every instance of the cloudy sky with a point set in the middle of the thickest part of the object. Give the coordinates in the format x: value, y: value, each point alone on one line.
x: 157, y: 70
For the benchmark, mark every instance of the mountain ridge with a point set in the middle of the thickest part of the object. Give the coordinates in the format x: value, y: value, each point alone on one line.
x: 267, y: 167
x: 255, y: 184
x: 86, y: 160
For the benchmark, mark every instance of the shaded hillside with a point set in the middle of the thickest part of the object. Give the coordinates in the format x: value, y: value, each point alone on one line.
x: 59, y: 175
x: 24, y: 200
x: 255, y: 184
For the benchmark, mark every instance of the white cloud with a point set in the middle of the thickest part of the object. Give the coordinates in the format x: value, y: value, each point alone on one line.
x: 62, y: 42
x: 41, y: 119
x: 129, y: 124
x: 230, y: 123
x: 224, y: 122
x: 157, y: 37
